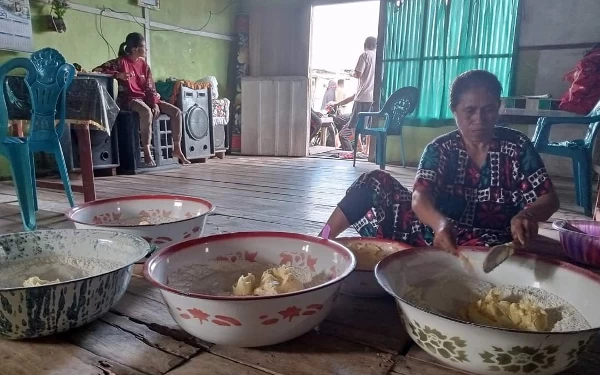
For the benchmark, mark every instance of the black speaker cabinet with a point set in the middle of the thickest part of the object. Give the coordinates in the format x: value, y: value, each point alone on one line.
x: 105, y: 148
x: 196, y: 108
x: 130, y: 147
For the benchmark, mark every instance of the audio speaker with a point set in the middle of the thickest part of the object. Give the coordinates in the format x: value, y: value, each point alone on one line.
x: 105, y: 148
x: 130, y: 147
x: 221, y: 140
x: 196, y: 109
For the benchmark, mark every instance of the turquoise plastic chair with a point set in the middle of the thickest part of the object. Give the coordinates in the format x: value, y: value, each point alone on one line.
x: 579, y: 150
x: 47, y: 78
x: 399, y: 105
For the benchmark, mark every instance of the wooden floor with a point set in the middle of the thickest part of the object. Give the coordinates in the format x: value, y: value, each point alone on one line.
x: 290, y: 194
x: 139, y: 336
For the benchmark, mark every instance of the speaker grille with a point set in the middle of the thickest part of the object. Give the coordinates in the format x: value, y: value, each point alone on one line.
x: 197, y: 123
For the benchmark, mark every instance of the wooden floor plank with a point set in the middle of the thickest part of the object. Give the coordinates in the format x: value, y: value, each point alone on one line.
x: 411, y: 366
x: 109, y: 341
x: 164, y: 343
x: 284, y: 194
x: 210, y: 364
x: 311, y: 354
x: 374, y: 322
x: 54, y: 357
x: 155, y: 315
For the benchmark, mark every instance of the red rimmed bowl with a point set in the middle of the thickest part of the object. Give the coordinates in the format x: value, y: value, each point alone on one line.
x: 486, y: 350
x: 162, y: 220
x: 582, y: 248
x: 368, y: 252
x: 255, y: 320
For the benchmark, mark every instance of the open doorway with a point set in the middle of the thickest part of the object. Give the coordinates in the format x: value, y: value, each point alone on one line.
x: 338, y: 35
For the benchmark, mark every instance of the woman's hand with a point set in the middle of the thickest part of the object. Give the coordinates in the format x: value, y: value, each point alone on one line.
x: 523, y: 228
x: 122, y: 76
x: 155, y: 110
x: 444, y: 238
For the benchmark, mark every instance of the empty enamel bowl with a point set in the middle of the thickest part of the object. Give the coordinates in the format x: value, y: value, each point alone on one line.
x: 162, y: 220
x: 368, y: 252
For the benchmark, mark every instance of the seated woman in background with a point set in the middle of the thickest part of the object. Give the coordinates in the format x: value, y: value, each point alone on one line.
x: 479, y: 185
x: 137, y: 93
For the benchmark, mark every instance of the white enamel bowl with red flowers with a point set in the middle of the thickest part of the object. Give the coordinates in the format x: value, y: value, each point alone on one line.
x: 252, y: 321
x: 486, y: 350
x: 368, y: 252
x: 161, y: 220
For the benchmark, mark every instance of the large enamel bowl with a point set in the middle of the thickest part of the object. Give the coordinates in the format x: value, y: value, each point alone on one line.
x: 583, y: 248
x: 368, y: 252
x: 28, y: 312
x: 252, y: 321
x: 486, y: 350
x: 167, y: 219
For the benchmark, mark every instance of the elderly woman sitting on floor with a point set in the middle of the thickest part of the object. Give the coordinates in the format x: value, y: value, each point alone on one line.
x: 479, y: 185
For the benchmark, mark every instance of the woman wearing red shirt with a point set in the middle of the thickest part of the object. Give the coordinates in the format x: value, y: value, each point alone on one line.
x: 137, y: 93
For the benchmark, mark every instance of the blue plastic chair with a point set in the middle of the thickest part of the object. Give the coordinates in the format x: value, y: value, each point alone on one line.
x: 47, y: 78
x: 399, y: 105
x: 579, y: 150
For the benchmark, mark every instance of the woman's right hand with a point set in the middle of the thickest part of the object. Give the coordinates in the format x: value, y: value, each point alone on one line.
x: 122, y: 76
x: 444, y: 238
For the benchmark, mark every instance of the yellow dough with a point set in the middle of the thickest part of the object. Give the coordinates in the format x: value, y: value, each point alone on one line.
x: 36, y: 281
x: 273, y: 281
x: 492, y: 310
x: 244, y: 285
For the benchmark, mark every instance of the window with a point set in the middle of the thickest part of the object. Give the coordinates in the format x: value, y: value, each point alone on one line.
x: 430, y: 42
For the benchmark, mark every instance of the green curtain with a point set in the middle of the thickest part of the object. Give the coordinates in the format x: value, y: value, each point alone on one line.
x: 430, y: 42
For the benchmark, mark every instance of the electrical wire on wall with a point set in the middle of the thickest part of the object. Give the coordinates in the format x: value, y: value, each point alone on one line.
x: 134, y: 19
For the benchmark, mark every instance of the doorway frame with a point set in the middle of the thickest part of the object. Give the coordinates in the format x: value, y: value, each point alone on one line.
x: 381, y: 34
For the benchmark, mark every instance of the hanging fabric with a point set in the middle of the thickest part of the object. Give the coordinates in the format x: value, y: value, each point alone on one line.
x: 430, y: 42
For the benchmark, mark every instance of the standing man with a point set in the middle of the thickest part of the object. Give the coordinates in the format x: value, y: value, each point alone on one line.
x: 363, y: 99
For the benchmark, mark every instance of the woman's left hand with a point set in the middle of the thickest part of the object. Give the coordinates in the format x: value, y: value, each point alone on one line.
x: 523, y: 228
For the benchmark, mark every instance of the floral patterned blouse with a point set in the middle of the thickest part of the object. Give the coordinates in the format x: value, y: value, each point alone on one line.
x: 479, y: 201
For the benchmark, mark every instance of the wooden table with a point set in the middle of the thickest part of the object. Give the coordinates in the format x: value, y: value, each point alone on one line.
x: 90, y: 103
x: 139, y: 337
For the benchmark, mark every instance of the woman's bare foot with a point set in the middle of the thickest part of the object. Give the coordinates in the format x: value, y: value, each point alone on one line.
x: 182, y: 159
x: 148, y: 157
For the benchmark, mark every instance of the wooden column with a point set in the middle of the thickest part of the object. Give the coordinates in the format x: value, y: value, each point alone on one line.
x: 381, y: 31
x: 382, y: 28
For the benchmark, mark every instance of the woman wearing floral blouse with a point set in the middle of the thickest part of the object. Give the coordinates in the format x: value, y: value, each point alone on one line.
x: 479, y: 185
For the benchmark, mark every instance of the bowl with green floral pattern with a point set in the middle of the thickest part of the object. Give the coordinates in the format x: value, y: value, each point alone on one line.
x: 531, y: 315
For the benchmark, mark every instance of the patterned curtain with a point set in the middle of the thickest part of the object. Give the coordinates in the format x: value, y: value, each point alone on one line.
x: 242, y: 25
x: 429, y: 42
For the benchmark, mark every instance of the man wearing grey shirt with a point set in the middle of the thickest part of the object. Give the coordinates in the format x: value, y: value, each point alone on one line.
x: 363, y: 99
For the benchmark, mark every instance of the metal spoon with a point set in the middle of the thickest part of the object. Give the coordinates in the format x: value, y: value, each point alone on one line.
x: 466, y: 263
x: 497, y: 255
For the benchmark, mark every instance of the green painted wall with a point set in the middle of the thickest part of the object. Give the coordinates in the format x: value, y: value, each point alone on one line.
x: 173, y: 54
